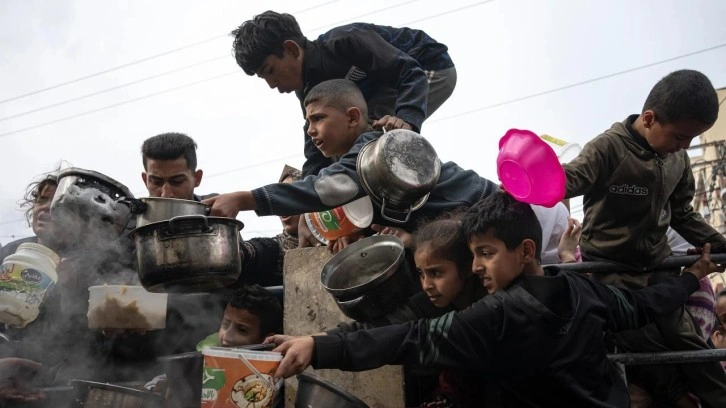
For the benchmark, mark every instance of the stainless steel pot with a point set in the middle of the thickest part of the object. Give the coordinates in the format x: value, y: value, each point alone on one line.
x: 314, y: 392
x: 398, y: 171
x: 190, y: 253
x: 157, y: 209
x: 184, y: 374
x: 369, y: 278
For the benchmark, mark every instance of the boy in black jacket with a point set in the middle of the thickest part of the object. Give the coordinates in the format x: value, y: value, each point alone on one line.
x: 404, y: 74
x: 539, y: 338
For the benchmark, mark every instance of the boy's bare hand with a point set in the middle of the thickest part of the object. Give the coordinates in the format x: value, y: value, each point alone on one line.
x: 16, y: 376
x: 337, y: 245
x: 224, y: 205
x: 305, y: 238
x: 569, y: 241
x: 704, y: 267
x: 297, y: 356
x: 389, y: 122
x: 405, y: 237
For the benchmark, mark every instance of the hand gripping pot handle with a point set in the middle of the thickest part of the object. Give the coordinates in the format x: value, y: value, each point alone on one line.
x: 182, y: 218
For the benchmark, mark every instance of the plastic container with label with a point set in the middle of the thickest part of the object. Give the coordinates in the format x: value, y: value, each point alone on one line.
x: 340, y: 221
x: 25, y: 277
x: 228, y: 382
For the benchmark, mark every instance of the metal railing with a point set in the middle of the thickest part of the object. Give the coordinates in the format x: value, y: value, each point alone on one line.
x: 605, y: 267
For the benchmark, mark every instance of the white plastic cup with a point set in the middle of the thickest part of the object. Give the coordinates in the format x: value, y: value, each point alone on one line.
x: 125, y: 307
x: 564, y: 150
x: 25, y: 277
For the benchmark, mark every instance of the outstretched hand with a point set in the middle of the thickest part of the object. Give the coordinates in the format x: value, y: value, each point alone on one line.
x: 704, y: 267
x: 224, y: 205
x: 403, y: 235
x: 16, y: 376
x: 569, y: 241
x: 297, y: 354
x: 389, y: 122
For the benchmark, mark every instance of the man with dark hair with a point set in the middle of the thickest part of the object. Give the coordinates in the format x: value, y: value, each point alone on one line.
x: 636, y: 179
x: 404, y: 74
x: 538, y: 336
x: 170, y: 166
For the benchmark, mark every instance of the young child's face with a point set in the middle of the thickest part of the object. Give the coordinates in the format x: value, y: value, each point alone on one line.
x: 284, y: 73
x: 495, y: 265
x: 440, y: 278
x: 41, y: 219
x: 721, y: 309
x: 330, y: 128
x: 671, y: 137
x: 239, y: 328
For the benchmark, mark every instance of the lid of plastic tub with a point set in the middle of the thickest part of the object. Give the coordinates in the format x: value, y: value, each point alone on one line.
x: 235, y: 352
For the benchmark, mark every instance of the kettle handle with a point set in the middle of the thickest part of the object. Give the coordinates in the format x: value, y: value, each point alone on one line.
x: 391, y: 218
x: 180, y: 218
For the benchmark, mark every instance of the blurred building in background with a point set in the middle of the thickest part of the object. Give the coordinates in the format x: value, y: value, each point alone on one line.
x: 709, y: 170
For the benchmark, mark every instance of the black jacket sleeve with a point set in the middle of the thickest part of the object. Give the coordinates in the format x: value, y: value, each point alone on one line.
x: 457, y: 340
x: 632, y: 309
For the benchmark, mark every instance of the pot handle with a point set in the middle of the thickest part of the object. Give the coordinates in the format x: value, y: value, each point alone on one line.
x: 180, y: 218
x: 350, y: 303
x: 135, y: 205
x: 391, y: 218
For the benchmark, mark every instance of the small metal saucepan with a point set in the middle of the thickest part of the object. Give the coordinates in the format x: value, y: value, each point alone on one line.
x: 189, y: 253
x: 369, y: 278
x: 157, y: 209
x: 398, y: 171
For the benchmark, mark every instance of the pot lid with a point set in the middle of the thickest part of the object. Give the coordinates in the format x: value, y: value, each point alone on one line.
x: 102, y: 178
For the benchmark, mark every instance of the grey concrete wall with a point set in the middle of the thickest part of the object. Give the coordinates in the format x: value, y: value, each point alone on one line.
x: 309, y: 309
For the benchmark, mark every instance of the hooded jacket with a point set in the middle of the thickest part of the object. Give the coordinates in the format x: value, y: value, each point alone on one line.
x: 631, y: 195
x: 541, y: 340
x: 377, y: 58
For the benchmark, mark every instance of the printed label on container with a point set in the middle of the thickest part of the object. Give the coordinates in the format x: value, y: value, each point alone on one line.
x: 228, y: 383
x: 14, y: 277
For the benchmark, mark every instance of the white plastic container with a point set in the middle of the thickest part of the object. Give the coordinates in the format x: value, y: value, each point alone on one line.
x: 126, y: 307
x: 25, y: 277
x: 565, y: 151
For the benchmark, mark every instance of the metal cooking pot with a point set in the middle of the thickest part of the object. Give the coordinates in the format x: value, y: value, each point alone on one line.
x: 189, y: 253
x: 86, y: 201
x: 157, y: 209
x: 314, y: 392
x: 92, y: 394
x: 398, y: 171
x: 184, y: 374
x: 369, y: 278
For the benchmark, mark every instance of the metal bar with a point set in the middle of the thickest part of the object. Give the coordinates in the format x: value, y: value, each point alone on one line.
x: 604, y: 267
x: 275, y: 290
x: 669, y: 357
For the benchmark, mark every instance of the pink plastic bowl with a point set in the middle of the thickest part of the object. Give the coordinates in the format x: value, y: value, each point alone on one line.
x: 529, y: 169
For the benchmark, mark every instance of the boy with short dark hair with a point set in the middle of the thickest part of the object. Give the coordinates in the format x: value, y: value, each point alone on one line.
x: 636, y: 180
x: 539, y: 338
x: 252, y: 314
x: 336, y: 112
x: 404, y: 74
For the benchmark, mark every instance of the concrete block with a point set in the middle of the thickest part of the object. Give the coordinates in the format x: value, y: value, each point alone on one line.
x: 310, y: 309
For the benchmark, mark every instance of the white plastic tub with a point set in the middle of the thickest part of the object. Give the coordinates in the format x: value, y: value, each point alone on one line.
x: 126, y: 307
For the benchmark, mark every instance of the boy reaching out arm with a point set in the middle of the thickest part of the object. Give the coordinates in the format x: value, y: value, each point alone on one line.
x: 533, y: 334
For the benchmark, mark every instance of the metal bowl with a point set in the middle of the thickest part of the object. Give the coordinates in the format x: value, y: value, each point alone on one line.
x: 314, y: 392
